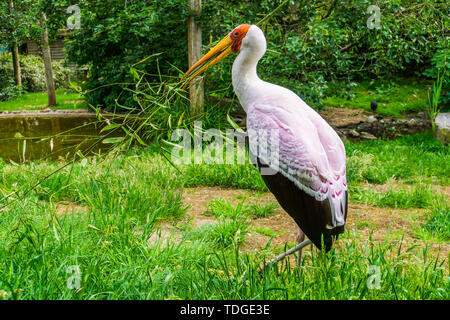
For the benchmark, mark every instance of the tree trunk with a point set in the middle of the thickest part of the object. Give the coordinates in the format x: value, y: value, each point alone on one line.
x: 196, y: 92
x: 16, y: 65
x: 15, y: 57
x: 46, y: 54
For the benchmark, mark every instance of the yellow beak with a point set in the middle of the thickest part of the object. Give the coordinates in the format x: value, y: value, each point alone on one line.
x: 217, y: 54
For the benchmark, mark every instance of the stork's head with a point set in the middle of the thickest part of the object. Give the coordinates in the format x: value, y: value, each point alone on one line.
x: 243, y: 37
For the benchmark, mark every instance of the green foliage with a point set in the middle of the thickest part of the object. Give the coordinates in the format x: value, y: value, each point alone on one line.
x: 23, y: 21
x: 315, y: 42
x: 263, y: 210
x: 113, y: 39
x: 440, y: 61
x: 9, y: 90
x: 440, y: 68
x: 18, y: 23
x: 244, y: 176
x: 309, y: 44
x: 33, y: 74
x: 434, y: 107
x: 223, y: 208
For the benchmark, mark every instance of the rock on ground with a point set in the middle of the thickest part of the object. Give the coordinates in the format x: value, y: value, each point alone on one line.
x: 443, y: 127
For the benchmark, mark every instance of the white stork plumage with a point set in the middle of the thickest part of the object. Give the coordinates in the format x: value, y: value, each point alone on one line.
x: 310, y: 173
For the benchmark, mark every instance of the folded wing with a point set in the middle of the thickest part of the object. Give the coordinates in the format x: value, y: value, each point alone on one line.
x: 305, y: 150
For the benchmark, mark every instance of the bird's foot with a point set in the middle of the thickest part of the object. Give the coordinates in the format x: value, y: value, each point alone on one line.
x: 298, y: 247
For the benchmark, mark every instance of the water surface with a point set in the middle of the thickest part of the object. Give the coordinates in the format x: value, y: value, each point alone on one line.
x: 25, y: 137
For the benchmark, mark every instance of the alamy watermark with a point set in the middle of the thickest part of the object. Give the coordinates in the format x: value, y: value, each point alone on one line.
x: 374, y: 280
x: 74, y: 21
x: 74, y: 280
x: 214, y: 147
x: 373, y: 22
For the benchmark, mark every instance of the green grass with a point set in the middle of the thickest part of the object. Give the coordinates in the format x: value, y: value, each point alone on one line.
x: 263, y: 210
x: 438, y: 223
x: 120, y: 264
x: 222, y: 207
x: 124, y: 198
x: 416, y: 197
x: 412, y: 159
x: 38, y: 101
x: 243, y: 176
x: 266, y: 231
x: 394, y: 98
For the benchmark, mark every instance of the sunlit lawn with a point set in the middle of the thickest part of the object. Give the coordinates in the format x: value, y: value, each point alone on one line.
x: 65, y: 99
x: 394, y: 98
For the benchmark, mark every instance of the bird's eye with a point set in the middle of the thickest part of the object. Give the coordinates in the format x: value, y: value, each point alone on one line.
x: 236, y: 33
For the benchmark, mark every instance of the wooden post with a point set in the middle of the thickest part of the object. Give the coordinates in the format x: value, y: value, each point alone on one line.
x: 15, y: 56
x: 196, y: 93
x: 46, y: 54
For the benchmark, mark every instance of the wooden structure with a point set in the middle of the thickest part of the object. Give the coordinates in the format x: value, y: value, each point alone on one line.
x: 56, y: 46
x: 196, y: 92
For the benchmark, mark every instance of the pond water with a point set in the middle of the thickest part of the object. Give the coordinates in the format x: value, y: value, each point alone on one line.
x: 25, y: 137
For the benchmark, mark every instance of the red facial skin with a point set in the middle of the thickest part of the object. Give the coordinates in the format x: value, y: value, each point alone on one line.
x: 237, y: 35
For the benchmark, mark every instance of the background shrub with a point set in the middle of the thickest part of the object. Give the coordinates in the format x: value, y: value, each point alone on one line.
x: 310, y: 42
x: 114, y: 38
x: 33, y: 75
x: 9, y: 91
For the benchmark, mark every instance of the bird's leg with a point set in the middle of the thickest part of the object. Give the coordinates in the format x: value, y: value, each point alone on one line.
x: 285, y: 254
x: 300, y: 239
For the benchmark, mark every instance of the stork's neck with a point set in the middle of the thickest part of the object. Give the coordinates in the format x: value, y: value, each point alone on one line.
x: 245, y: 79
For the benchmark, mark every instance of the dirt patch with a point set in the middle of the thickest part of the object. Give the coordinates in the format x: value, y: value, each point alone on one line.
x: 42, y: 106
x: 342, y: 117
x: 163, y: 234
x: 72, y: 101
x: 198, y: 199
x: 355, y: 124
x: 382, y: 223
x: 67, y: 207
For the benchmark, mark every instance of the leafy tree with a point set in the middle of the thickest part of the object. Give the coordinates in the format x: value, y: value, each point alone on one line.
x: 310, y: 42
x: 113, y: 38
x: 27, y: 19
x: 13, y: 28
x: 313, y: 42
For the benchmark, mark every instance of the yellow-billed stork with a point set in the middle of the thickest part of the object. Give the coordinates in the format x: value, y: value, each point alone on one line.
x: 310, y: 180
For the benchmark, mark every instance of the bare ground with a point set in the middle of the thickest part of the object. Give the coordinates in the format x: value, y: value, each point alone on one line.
x: 67, y: 207
x: 342, y: 117
x: 381, y: 224
x: 384, y: 224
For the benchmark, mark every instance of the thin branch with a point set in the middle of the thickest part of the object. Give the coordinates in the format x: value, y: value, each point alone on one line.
x: 266, y: 18
x: 333, y: 5
x: 352, y: 44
